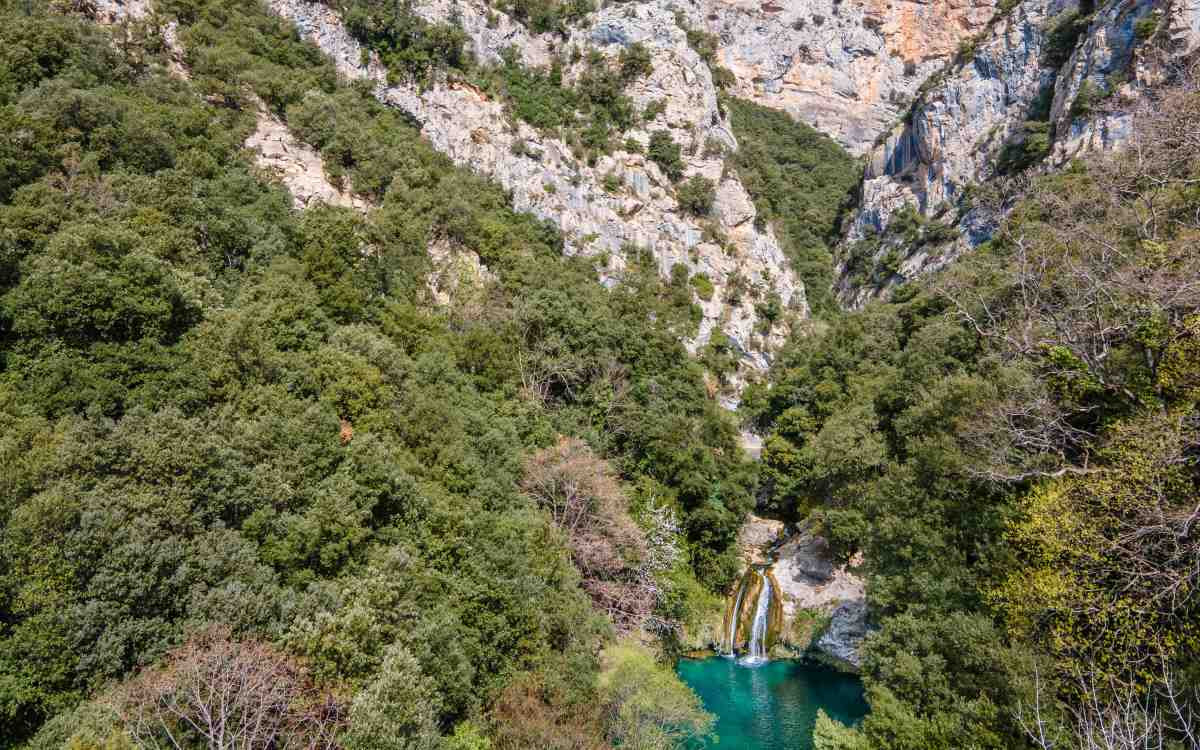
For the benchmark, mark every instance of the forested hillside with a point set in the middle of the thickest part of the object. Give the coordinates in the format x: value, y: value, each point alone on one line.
x: 222, y: 412
x: 402, y: 473
x: 1013, y: 446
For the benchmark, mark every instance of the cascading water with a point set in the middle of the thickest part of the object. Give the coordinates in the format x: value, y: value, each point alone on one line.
x: 733, y: 620
x: 756, y: 652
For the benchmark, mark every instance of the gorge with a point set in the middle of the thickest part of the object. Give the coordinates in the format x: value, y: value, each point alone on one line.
x: 455, y: 373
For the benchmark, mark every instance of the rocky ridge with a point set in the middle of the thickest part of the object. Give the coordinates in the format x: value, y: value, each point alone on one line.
x: 958, y: 128
x: 847, y: 67
x: 544, y: 177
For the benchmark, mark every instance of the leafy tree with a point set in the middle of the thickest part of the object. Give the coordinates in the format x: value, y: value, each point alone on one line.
x: 397, y: 710
x: 646, y: 705
x: 665, y: 152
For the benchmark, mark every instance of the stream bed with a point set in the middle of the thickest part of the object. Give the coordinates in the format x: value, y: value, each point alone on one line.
x: 771, y: 706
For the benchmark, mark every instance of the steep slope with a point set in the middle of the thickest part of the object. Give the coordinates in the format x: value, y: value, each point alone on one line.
x: 623, y: 204
x: 847, y: 67
x: 1048, y: 81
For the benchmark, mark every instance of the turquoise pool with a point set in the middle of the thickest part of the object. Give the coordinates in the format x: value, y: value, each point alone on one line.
x: 772, y: 706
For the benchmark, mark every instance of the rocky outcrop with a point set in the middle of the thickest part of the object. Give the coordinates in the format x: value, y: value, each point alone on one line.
x: 1129, y: 48
x: 756, y: 538
x: 545, y: 178
x: 843, y: 639
x: 819, y: 595
x: 958, y: 128
x: 950, y: 140
x: 847, y: 67
x: 294, y: 163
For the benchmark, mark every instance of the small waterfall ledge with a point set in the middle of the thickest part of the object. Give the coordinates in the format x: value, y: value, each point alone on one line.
x: 754, y: 618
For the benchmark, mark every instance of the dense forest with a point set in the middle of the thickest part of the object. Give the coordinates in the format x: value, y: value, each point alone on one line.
x: 222, y: 412
x: 1013, y: 445
x: 247, y: 446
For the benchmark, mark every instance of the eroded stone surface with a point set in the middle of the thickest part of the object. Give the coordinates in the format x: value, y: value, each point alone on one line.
x: 959, y: 127
x: 847, y: 67
x: 544, y: 177
x: 756, y: 538
x: 296, y: 164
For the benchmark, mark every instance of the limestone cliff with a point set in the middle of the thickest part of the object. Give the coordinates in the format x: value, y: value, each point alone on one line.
x: 956, y: 133
x: 544, y: 177
x: 847, y: 67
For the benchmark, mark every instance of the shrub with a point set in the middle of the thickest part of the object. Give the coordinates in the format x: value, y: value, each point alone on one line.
x: 1144, y: 28
x: 635, y: 62
x: 665, y: 152
x: 645, y: 705
x: 1064, y: 32
x: 703, y: 286
x: 654, y: 109
x: 695, y: 195
x: 1029, y: 147
x: 1085, y: 99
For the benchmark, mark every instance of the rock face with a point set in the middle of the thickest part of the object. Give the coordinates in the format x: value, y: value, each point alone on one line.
x: 544, y: 177
x: 847, y: 67
x: 958, y: 127
x: 297, y: 165
x: 952, y: 137
x: 813, y: 591
x: 756, y: 538
x: 1129, y: 47
x: 847, y: 630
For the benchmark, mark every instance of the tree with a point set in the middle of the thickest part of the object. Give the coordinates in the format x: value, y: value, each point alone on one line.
x: 646, y: 706
x: 586, y: 502
x: 397, y: 710
x: 229, y: 695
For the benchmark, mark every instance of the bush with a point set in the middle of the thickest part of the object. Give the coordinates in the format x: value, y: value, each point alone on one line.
x: 1144, y: 28
x: 635, y: 62
x: 1064, y: 32
x: 695, y: 195
x: 665, y: 152
x: 703, y: 286
x: 1028, y: 147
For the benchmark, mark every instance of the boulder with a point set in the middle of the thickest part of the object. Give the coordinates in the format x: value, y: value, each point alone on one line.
x: 847, y: 628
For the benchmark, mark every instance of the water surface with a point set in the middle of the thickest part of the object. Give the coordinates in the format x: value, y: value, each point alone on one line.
x: 772, y: 706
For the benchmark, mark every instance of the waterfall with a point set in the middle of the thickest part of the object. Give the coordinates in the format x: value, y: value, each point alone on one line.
x: 756, y: 651
x: 759, y: 592
x: 733, y: 619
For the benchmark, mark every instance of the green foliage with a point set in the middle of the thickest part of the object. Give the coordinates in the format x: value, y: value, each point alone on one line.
x: 546, y: 15
x: 634, y: 62
x: 1062, y: 34
x: 646, y: 705
x: 706, y: 45
x: 222, y: 410
x: 1029, y: 146
x: 703, y: 286
x: 1085, y: 98
x: 910, y: 430
x: 1144, y: 27
x: 397, y: 710
x: 696, y: 195
x: 665, y: 152
x: 413, y: 49
x: 800, y: 181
